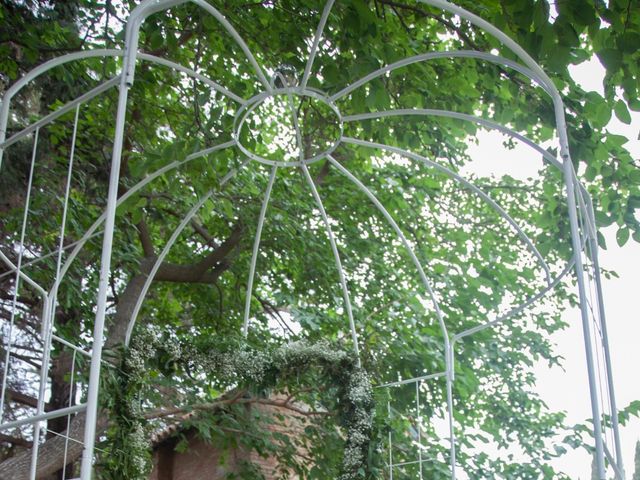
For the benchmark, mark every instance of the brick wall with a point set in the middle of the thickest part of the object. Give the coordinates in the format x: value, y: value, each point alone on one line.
x: 204, y: 461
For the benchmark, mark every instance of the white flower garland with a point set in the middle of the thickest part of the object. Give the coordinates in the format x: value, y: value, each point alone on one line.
x: 235, y: 362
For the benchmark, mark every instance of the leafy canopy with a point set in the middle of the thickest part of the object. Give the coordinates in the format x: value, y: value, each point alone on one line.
x: 477, y: 265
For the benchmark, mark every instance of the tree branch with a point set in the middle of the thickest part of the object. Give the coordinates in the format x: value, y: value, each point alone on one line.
x: 145, y: 239
x: 19, y: 397
x: 423, y: 13
x: 20, y: 442
x: 207, y: 270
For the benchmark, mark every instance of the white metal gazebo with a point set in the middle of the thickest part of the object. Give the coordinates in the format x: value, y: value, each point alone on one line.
x: 581, y: 216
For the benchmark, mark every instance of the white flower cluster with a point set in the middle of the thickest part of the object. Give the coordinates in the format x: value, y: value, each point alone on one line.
x: 360, y: 390
x: 139, y: 444
x: 135, y: 361
x: 360, y: 393
x: 249, y: 365
x: 143, y: 347
x: 173, y: 348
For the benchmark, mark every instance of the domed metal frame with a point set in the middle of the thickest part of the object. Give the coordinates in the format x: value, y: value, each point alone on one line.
x: 580, y: 210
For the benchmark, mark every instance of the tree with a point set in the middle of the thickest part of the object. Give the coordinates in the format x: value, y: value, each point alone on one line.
x: 171, y: 117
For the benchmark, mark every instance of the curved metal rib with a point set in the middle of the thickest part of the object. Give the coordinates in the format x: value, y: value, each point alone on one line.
x: 174, y: 236
x: 470, y: 186
x: 447, y: 344
x: 381, y: 208
x: 256, y: 248
x: 67, y: 107
x: 336, y: 257
x: 327, y: 225
x: 55, y: 62
x: 316, y: 42
x: 23, y: 275
x: 488, y: 27
x: 91, y: 231
x: 460, y: 116
x: 192, y: 73
x: 435, y: 55
x: 536, y: 73
x: 519, y: 308
x: 241, y: 43
x: 36, y: 72
x: 36, y: 260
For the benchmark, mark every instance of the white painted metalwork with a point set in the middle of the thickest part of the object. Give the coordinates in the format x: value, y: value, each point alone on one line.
x: 256, y: 249
x: 580, y: 211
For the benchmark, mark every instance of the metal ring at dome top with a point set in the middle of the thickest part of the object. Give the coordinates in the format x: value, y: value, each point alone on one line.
x: 254, y: 102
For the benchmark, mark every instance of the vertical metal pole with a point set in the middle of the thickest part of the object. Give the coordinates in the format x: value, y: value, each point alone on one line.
x: 569, y: 177
x: 605, y: 338
x: 390, y: 443
x: 419, y: 427
x: 47, y: 315
x: 449, y: 380
x: 4, y: 118
x: 72, y: 393
x: 105, y: 268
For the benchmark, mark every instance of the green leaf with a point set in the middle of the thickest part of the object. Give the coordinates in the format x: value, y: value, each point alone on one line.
x: 540, y: 13
x: 610, y: 58
x: 634, y: 176
x: 597, y: 109
x: 622, y: 235
x: 602, y: 219
x: 628, y: 43
x: 622, y: 112
x: 616, y: 140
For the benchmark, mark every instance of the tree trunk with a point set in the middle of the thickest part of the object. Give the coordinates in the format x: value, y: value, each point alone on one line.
x: 51, y: 453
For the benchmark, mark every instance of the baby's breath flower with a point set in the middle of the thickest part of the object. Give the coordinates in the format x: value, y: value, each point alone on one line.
x: 237, y: 363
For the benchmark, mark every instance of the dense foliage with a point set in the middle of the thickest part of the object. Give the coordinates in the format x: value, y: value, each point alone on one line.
x: 476, y: 263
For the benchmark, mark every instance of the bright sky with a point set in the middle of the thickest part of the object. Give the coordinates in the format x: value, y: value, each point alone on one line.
x: 568, y: 389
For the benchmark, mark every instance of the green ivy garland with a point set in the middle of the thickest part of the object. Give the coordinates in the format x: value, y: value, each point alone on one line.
x: 233, y: 362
